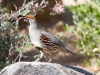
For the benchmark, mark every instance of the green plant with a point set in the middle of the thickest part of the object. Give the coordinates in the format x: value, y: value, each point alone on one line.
x: 86, y: 17
x: 9, y: 38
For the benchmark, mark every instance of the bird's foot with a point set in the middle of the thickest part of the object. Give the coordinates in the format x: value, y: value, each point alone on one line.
x: 50, y: 60
x: 37, y: 60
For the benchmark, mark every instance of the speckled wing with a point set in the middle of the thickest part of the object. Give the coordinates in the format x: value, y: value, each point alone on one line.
x: 48, y: 45
x: 54, y: 42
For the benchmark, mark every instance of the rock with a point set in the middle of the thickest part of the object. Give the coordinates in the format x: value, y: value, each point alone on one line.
x: 42, y: 68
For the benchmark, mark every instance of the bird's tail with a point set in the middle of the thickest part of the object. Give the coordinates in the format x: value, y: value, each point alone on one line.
x: 69, y: 50
x: 66, y: 48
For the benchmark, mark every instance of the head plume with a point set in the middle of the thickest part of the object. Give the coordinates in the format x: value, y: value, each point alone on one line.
x: 30, y: 17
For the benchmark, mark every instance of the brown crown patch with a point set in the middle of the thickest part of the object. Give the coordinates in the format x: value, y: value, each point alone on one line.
x: 30, y: 17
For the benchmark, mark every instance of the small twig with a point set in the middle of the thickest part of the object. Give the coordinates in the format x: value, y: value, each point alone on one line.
x: 56, y: 1
x: 24, y: 3
x: 17, y: 21
x: 1, y: 15
x: 16, y: 58
x: 22, y: 8
x: 15, y: 7
x: 10, y: 50
x: 43, y: 1
x: 20, y: 55
x: 21, y: 52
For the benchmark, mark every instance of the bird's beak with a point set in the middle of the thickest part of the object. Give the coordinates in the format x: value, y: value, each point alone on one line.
x: 25, y: 19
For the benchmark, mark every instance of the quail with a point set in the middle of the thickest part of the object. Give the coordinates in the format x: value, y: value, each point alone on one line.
x: 44, y: 41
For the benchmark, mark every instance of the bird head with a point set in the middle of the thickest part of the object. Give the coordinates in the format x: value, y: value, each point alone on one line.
x: 30, y: 18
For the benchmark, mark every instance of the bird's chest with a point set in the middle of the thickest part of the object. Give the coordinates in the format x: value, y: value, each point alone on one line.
x: 35, y: 38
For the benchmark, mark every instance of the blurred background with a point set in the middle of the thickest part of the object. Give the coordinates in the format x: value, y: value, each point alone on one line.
x: 78, y: 27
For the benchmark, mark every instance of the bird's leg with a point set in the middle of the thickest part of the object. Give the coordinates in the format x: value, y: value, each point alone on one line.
x: 49, y: 59
x: 41, y: 56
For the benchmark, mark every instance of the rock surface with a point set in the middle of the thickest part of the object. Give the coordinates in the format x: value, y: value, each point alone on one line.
x: 42, y: 68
